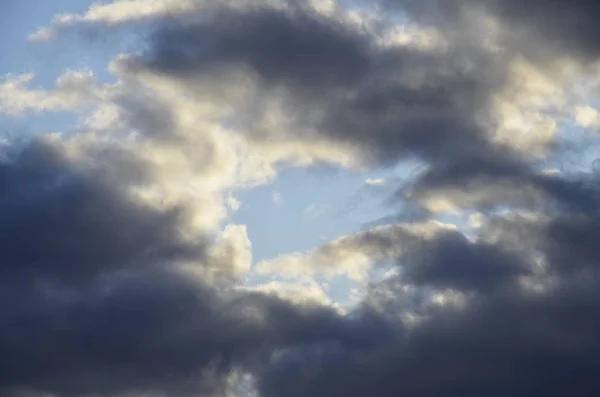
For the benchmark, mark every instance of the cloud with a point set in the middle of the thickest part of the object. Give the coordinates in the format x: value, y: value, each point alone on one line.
x: 508, y: 338
x: 462, y: 103
x: 233, y: 203
x: 331, y: 91
x: 73, y: 89
x: 234, y: 250
x: 120, y: 276
x: 114, y: 14
x: 568, y: 28
x: 111, y: 296
x: 488, y: 183
x: 277, y: 199
x: 353, y: 255
x: 305, y: 292
x: 150, y: 333
x: 376, y: 182
x: 61, y: 223
x: 463, y: 352
x: 587, y: 117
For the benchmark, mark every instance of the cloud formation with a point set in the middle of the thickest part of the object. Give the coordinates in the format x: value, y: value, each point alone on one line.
x: 121, y: 275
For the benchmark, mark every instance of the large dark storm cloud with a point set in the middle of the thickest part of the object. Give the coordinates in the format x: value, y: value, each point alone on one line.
x: 154, y: 333
x: 93, y: 302
x: 517, y: 345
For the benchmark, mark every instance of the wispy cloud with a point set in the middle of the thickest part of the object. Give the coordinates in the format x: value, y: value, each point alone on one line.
x: 277, y: 199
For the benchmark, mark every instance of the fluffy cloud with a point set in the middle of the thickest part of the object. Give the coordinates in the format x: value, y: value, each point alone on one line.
x: 73, y: 89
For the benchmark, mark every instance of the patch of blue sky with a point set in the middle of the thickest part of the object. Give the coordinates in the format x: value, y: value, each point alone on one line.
x: 317, y: 205
x: 577, y: 150
x: 46, y: 61
x: 20, y: 19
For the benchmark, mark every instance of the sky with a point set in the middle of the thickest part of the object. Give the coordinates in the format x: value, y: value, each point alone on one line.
x: 268, y: 198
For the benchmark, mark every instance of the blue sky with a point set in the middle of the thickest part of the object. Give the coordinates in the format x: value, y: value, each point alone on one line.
x: 46, y: 62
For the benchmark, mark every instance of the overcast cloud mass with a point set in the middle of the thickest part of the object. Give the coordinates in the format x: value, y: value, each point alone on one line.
x: 122, y: 273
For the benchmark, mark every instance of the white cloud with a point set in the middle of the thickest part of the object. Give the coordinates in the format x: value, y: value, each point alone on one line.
x: 408, y: 35
x: 376, y: 182
x: 530, y: 106
x: 587, y: 117
x: 277, y: 198
x: 115, y: 13
x: 476, y: 220
x: 304, y: 291
x: 233, y: 203
x: 73, y: 90
x: 120, y: 12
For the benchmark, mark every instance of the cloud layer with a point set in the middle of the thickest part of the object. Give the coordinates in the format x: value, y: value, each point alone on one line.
x: 121, y: 274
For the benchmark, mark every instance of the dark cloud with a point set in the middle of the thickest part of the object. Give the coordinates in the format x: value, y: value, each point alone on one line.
x: 537, y: 29
x: 150, y: 333
x: 504, y: 340
x: 518, y: 345
x: 336, y: 81
x: 568, y: 26
x: 492, y: 182
x: 95, y: 304
x: 572, y: 243
x: 294, y: 48
x: 61, y: 223
x: 451, y: 261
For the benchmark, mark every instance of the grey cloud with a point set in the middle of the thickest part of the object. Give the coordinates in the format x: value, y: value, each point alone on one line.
x: 448, y: 260
x: 288, y: 47
x: 93, y: 302
x: 492, y: 182
x: 569, y: 27
x: 63, y: 224
x: 572, y: 243
x: 567, y: 241
x: 336, y: 80
x: 451, y: 261
x: 538, y: 29
x: 506, y: 341
x: 130, y: 322
x: 514, y: 346
x: 150, y: 332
